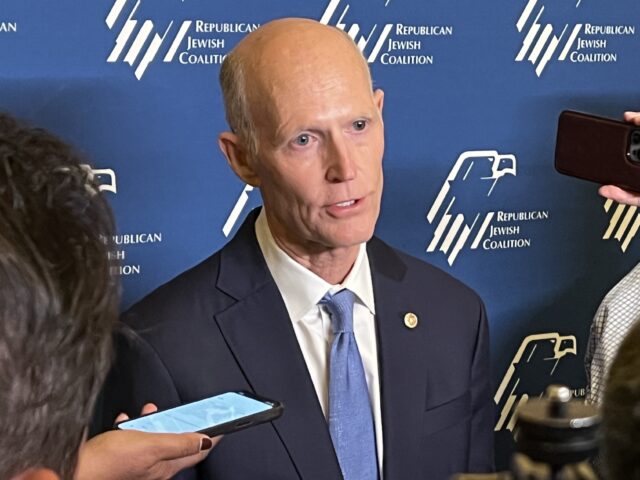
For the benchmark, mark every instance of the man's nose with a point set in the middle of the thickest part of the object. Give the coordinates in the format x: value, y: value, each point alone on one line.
x: 341, y: 161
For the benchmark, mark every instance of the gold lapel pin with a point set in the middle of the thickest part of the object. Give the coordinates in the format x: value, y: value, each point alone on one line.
x: 411, y: 320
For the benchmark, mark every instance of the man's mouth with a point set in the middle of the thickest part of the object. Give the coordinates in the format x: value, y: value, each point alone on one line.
x: 348, y: 203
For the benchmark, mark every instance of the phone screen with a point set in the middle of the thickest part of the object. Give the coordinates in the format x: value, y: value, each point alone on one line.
x: 199, y: 415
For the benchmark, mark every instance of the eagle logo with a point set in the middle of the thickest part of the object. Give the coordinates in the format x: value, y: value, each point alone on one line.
x: 368, y: 40
x: 136, y: 36
x: 530, y: 372
x: 487, y: 166
x: 542, y: 40
x: 104, y: 177
x: 623, y: 224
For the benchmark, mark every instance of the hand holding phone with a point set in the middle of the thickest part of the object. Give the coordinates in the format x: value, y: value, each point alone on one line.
x: 620, y: 195
x: 217, y: 415
x: 599, y: 149
x: 120, y: 454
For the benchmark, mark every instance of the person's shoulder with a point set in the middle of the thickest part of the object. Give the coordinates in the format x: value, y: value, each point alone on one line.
x: 629, y: 284
x: 616, y: 303
x: 418, y: 271
x: 191, y: 291
x: 195, y: 295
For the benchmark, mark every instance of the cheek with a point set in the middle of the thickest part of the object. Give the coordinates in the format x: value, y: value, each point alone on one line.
x: 373, y: 165
x: 296, y: 196
x: 304, y: 186
x: 371, y: 153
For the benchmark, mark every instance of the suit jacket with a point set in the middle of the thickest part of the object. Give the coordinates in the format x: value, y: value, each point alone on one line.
x: 223, y: 326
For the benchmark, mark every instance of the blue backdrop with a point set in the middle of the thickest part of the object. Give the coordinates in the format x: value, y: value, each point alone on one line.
x: 473, y: 91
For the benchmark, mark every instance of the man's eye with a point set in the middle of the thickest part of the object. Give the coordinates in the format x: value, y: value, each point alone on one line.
x: 359, y: 125
x: 303, y: 139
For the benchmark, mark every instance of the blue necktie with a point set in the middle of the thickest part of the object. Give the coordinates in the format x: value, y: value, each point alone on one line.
x: 350, y: 414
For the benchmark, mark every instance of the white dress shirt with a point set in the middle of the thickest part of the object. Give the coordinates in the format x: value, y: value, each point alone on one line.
x: 301, y: 290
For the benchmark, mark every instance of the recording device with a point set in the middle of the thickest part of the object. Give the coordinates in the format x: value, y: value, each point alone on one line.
x: 598, y: 149
x: 220, y: 414
x: 555, y: 436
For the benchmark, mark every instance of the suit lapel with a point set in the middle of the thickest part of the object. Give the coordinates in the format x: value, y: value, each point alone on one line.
x: 258, y: 331
x: 401, y: 361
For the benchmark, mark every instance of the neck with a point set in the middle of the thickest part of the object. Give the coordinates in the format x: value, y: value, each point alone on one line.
x: 332, y: 265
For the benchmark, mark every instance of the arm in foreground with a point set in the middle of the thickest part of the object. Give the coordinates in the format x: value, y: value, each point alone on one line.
x: 132, y: 455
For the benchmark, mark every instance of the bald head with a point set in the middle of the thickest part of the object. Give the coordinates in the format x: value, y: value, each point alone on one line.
x: 286, y: 54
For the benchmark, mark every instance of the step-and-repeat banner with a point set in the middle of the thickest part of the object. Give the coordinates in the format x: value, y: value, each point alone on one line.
x: 473, y: 92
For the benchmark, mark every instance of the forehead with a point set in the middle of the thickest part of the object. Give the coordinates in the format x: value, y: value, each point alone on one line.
x: 308, y: 75
x: 319, y: 84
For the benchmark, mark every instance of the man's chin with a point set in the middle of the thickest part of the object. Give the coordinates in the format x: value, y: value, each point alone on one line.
x: 351, y: 239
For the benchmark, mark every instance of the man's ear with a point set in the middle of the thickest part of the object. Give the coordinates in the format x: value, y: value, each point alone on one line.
x: 378, y: 98
x: 37, y: 474
x: 238, y: 158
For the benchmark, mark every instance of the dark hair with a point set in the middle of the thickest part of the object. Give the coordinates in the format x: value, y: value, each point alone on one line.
x: 621, y: 412
x: 58, y: 300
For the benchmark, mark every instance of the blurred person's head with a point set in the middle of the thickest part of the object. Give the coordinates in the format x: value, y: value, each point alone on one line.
x: 621, y: 412
x: 58, y: 301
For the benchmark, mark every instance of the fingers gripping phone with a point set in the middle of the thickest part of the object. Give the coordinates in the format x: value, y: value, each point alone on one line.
x: 217, y: 415
x: 599, y: 149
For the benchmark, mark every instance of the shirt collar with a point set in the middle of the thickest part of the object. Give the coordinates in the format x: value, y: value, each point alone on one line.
x: 301, y: 289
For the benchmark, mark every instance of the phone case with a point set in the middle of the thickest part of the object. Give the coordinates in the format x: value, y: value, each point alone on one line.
x: 598, y: 149
x: 246, y: 422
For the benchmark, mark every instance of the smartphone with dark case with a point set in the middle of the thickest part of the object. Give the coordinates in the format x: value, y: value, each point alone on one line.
x: 598, y: 149
x: 217, y: 415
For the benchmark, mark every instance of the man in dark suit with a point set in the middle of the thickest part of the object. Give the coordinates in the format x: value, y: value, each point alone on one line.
x: 307, y: 129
